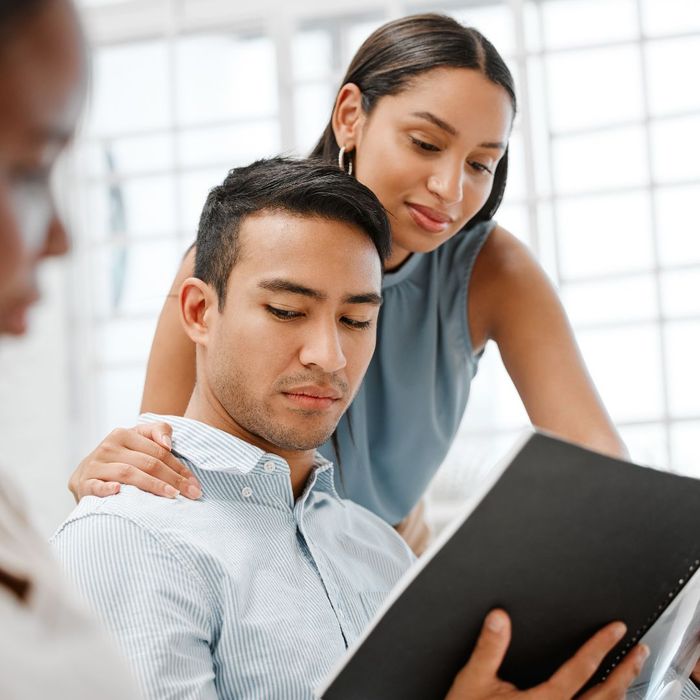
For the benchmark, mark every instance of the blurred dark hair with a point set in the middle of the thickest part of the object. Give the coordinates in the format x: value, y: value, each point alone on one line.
x: 400, y: 51
x: 303, y: 187
x: 13, y: 13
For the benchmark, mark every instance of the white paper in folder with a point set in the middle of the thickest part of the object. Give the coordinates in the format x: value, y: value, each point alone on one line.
x: 674, y: 643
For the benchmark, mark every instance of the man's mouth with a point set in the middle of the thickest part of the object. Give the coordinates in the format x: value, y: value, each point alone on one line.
x: 313, y: 397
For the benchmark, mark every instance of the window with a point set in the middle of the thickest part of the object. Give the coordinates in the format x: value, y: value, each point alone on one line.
x: 604, y: 173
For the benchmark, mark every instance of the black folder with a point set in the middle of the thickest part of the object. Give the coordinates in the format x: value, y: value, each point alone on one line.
x: 565, y: 540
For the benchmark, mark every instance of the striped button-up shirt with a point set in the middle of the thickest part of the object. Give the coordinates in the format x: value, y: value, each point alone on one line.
x: 245, y: 593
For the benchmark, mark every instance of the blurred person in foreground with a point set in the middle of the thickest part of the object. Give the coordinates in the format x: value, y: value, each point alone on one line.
x: 256, y: 589
x: 49, y: 646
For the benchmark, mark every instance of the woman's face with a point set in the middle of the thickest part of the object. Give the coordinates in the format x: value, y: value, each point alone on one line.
x: 429, y: 153
x: 41, y: 89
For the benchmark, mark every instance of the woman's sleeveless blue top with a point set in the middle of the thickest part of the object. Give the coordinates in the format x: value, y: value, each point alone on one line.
x: 405, y: 416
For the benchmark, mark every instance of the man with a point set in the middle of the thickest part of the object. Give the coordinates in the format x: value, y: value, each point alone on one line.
x: 49, y: 647
x: 256, y: 589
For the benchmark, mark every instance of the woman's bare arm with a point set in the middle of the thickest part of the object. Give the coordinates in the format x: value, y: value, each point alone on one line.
x: 170, y: 373
x: 512, y: 301
x: 140, y: 456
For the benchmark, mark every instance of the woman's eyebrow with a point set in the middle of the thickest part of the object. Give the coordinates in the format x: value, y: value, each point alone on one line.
x: 448, y: 128
x: 440, y: 123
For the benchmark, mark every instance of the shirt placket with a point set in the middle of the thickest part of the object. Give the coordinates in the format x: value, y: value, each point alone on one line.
x: 328, y: 581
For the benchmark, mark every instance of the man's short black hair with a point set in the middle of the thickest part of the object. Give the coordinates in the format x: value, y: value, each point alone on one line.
x: 303, y: 187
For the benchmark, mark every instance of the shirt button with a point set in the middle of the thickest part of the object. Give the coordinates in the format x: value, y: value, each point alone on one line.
x: 246, y: 492
x: 269, y: 467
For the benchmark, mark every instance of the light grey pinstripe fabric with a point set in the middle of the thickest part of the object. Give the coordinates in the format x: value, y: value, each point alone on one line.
x: 242, y: 594
x: 690, y: 691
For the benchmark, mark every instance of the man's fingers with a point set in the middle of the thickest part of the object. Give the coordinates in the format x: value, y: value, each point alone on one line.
x: 572, y: 675
x: 492, y: 644
x: 616, y: 684
x: 478, y: 678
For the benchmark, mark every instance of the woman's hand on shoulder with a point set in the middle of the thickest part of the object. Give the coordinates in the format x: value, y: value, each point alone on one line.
x: 138, y: 456
x: 479, y: 680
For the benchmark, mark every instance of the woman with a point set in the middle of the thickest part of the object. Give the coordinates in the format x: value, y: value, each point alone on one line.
x: 49, y: 645
x: 423, y: 118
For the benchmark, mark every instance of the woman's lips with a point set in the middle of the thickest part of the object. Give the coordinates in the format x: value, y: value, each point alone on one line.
x: 429, y: 219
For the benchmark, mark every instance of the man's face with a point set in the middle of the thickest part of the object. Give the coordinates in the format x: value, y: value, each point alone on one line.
x: 41, y: 90
x: 288, y: 352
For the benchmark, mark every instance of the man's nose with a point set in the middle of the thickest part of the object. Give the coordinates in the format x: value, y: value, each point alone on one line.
x: 323, y: 348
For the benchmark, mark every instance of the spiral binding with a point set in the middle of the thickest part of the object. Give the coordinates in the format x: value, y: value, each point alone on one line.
x: 652, y: 618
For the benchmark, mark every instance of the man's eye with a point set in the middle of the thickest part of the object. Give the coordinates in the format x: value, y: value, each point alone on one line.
x: 283, y: 314
x: 424, y: 145
x: 357, y: 325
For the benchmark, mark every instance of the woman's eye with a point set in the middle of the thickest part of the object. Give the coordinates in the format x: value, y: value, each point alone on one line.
x: 424, y: 145
x: 30, y: 176
x: 283, y: 314
x: 358, y: 325
x: 480, y: 167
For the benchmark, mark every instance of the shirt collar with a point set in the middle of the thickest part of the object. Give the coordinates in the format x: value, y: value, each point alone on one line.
x: 212, y: 449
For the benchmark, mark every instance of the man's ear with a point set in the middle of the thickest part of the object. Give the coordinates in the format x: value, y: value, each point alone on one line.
x: 348, y: 116
x: 198, y: 304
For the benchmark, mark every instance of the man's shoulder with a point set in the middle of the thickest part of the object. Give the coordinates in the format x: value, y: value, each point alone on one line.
x: 148, y: 512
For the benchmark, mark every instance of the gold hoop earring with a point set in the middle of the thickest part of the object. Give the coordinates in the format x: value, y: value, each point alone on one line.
x: 341, y: 161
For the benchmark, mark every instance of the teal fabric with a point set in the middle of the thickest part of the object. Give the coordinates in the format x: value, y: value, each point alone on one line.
x: 411, y: 402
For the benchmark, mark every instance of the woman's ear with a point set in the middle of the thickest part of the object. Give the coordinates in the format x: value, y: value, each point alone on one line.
x: 198, y: 305
x: 348, y: 116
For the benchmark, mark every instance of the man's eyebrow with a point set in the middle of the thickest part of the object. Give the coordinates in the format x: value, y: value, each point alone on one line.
x: 442, y: 124
x: 283, y: 285
x: 368, y: 298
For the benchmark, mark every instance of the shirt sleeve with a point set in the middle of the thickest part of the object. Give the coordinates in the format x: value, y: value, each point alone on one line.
x: 150, y: 599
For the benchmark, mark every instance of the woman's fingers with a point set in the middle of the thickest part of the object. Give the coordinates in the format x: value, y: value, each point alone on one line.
x: 156, y: 461
x: 96, y: 487
x: 137, y: 456
x: 131, y: 475
x: 158, y: 432
x: 577, y: 671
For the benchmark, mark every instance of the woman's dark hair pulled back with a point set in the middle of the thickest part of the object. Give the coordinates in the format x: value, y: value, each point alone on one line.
x: 399, y: 51
x: 14, y: 12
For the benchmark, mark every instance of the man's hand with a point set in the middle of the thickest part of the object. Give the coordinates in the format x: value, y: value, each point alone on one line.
x: 478, y: 680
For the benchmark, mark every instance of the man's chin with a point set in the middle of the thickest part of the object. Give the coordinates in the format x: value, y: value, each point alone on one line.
x: 301, y: 438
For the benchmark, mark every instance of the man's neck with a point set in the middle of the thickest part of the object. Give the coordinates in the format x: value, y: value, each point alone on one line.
x: 206, y: 409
